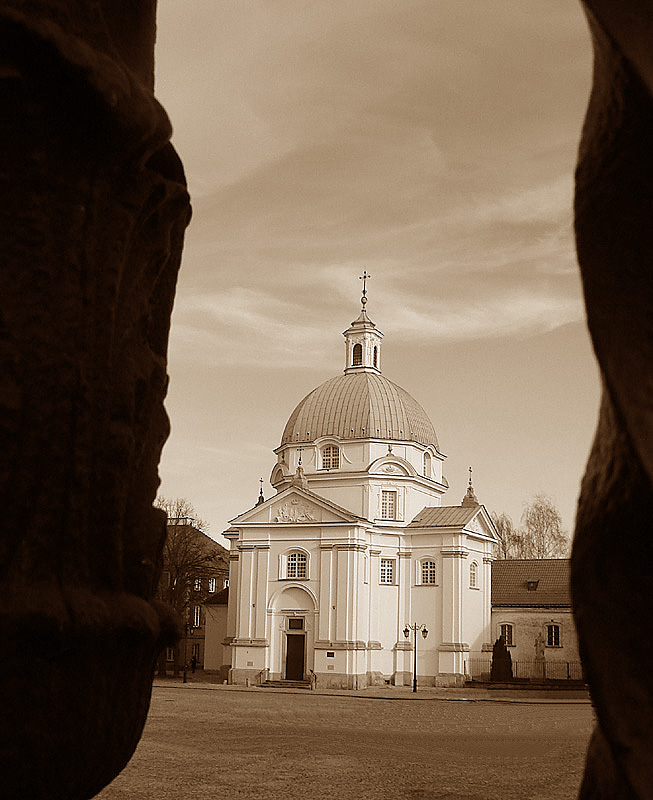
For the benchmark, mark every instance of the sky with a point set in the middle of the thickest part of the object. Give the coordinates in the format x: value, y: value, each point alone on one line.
x: 429, y: 142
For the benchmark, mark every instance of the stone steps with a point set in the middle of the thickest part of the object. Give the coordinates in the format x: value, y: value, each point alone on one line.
x: 283, y: 684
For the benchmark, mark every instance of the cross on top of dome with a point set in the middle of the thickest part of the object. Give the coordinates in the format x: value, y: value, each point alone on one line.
x: 364, y: 278
x: 363, y: 339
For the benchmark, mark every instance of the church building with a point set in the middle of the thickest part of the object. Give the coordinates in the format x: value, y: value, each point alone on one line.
x: 328, y: 575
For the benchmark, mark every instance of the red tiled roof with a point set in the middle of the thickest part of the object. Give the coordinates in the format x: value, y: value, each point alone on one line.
x: 547, y: 577
x: 443, y: 516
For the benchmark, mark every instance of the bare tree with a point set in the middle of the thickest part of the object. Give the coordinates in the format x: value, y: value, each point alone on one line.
x: 510, y: 539
x: 540, y: 534
x: 541, y: 530
x: 190, y: 559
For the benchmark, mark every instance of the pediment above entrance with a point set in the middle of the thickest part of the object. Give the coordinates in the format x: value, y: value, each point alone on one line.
x: 295, y: 506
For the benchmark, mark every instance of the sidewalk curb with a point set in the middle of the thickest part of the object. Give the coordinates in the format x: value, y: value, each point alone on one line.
x: 424, y: 695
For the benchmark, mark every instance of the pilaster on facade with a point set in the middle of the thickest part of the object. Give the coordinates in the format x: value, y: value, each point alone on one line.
x: 452, y: 593
x: 487, y: 596
x: 404, y: 609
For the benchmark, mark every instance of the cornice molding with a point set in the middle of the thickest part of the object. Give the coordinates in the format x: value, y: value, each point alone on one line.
x: 453, y: 552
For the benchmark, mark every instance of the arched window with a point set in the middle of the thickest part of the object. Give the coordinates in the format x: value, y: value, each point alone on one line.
x: 427, y: 465
x: 473, y: 575
x: 506, y: 632
x: 330, y: 457
x: 553, y: 635
x: 296, y: 565
x: 375, y: 361
x: 428, y: 571
x: 357, y: 355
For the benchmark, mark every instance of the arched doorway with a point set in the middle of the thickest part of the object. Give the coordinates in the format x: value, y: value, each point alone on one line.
x: 293, y: 611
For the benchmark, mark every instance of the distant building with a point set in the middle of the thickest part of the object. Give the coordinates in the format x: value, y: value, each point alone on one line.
x: 217, y: 652
x: 356, y: 545
x: 531, y: 601
x: 195, y: 569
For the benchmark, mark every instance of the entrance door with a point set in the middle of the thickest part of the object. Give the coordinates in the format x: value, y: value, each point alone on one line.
x: 295, y: 656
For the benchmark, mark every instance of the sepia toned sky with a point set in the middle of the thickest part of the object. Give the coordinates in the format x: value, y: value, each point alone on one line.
x: 430, y: 142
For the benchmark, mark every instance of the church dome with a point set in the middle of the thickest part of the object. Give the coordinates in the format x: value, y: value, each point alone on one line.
x: 359, y: 405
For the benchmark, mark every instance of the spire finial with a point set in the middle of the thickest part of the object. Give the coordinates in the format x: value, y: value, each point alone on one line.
x: 261, y: 499
x: 364, y: 278
x: 470, y: 498
x: 299, y: 463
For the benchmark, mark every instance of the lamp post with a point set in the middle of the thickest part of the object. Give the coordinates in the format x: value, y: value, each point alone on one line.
x: 414, y: 628
x: 188, y: 629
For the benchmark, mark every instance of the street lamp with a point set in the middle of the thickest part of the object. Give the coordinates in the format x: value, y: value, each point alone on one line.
x: 414, y: 628
x: 188, y: 629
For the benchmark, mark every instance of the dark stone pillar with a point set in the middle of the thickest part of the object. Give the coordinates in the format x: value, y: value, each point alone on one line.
x: 612, y: 557
x: 93, y: 212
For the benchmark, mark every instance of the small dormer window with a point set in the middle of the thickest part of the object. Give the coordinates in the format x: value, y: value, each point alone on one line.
x: 330, y: 457
x: 357, y: 355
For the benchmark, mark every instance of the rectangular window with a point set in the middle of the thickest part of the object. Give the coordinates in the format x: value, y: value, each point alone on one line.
x: 297, y: 565
x: 195, y: 650
x: 388, y: 504
x: 212, y: 585
x: 197, y: 585
x: 387, y: 570
x: 429, y: 572
x: 506, y: 632
x: 553, y: 635
x: 296, y: 624
x: 330, y: 457
x: 197, y: 616
x: 170, y: 653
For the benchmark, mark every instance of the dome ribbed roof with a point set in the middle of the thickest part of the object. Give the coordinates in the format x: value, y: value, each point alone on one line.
x: 363, y: 405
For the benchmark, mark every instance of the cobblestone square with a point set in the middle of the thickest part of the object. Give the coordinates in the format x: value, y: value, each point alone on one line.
x: 206, y: 742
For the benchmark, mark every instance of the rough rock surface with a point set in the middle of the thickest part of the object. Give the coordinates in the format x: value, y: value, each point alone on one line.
x: 613, y: 548
x: 93, y: 212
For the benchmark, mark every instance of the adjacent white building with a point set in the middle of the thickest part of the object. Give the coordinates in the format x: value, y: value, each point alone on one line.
x: 356, y: 544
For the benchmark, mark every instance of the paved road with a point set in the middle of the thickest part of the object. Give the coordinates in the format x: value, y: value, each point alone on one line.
x: 209, y: 742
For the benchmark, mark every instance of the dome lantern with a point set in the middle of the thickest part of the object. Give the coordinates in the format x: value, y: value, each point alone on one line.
x: 363, y: 340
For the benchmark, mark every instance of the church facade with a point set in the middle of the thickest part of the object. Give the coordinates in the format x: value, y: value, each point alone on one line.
x: 328, y: 575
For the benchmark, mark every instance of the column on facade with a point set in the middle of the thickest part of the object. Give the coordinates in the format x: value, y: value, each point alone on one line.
x: 245, y: 593
x: 326, y: 624
x: 373, y: 572
x: 488, y: 637
x: 404, y: 616
x: 259, y: 617
x: 452, y: 647
x: 234, y: 588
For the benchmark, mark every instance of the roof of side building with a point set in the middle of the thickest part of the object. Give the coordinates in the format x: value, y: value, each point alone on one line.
x: 531, y: 582
x: 443, y: 516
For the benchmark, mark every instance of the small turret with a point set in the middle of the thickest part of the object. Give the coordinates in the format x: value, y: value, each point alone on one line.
x: 363, y: 340
x: 469, y: 500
